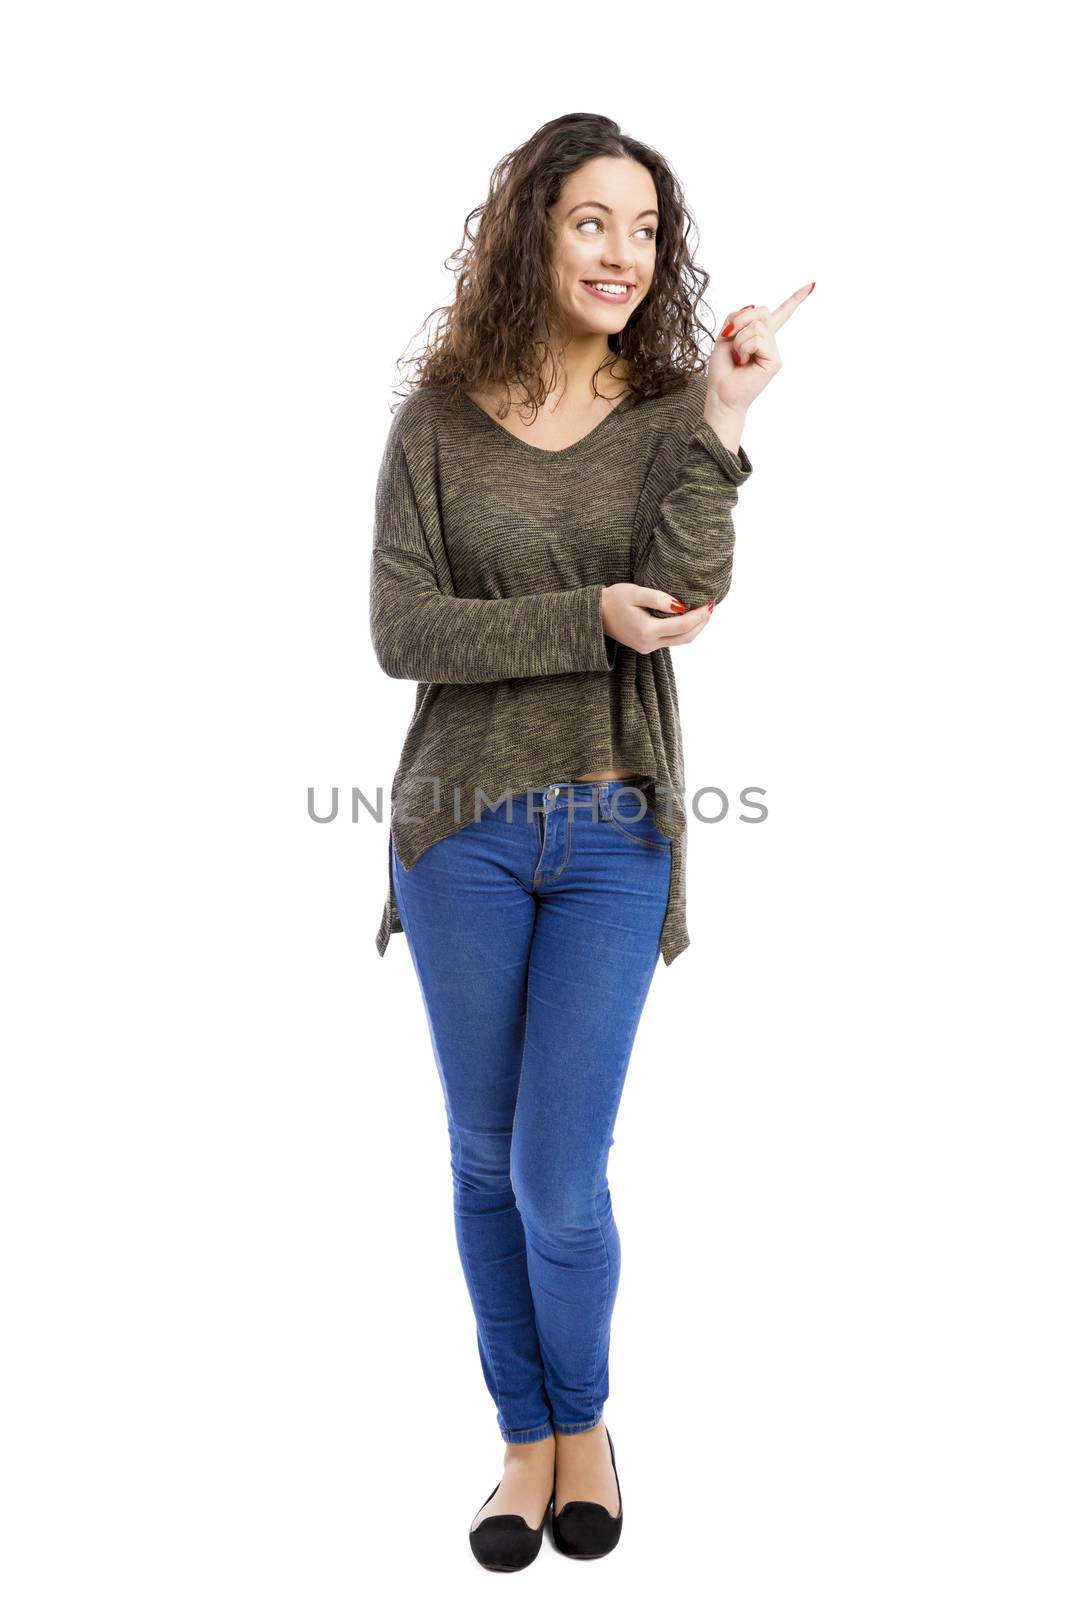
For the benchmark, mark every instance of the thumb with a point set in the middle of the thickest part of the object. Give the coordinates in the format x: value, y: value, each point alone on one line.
x: 658, y: 599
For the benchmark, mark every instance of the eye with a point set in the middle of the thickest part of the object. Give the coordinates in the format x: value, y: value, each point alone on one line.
x: 646, y: 228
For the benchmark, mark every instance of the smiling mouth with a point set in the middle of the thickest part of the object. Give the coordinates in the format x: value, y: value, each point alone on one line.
x: 619, y: 293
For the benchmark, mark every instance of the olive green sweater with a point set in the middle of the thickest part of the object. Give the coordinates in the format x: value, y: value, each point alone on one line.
x: 489, y: 559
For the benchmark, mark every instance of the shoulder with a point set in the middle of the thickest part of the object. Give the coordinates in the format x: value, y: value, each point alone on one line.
x: 431, y: 425
x: 409, y: 417
x: 427, y: 427
x: 676, y: 413
x: 422, y: 412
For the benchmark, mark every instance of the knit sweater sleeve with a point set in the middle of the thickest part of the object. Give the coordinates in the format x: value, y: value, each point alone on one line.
x: 420, y: 630
x: 687, y: 549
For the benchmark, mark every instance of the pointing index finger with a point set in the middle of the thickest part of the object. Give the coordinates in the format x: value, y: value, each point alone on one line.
x: 783, y: 312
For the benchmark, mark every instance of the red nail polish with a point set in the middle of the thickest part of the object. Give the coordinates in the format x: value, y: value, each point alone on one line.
x: 729, y: 328
x: 711, y: 607
x: 676, y: 605
x: 812, y: 285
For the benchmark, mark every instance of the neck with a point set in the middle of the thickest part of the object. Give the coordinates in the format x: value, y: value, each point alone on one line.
x: 578, y: 359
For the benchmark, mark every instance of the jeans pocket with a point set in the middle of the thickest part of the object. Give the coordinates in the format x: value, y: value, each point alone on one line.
x: 640, y: 829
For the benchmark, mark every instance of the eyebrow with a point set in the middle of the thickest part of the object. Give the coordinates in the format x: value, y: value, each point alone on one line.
x: 585, y: 205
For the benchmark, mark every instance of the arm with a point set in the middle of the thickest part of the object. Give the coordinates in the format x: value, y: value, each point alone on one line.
x: 688, y: 550
x: 419, y: 632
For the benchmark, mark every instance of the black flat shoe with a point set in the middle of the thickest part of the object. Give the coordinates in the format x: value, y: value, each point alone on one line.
x: 583, y: 1528
x: 506, y: 1543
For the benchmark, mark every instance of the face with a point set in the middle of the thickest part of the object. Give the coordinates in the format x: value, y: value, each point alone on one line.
x: 604, y: 223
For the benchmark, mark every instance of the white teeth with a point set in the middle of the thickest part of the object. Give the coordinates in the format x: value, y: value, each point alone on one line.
x: 612, y: 288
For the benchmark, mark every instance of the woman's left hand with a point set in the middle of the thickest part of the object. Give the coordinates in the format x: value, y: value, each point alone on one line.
x: 744, y: 358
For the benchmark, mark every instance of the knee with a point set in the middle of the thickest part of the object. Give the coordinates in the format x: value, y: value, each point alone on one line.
x: 481, y: 1160
x: 555, y: 1205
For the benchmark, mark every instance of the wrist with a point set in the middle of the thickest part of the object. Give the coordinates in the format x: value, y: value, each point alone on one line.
x: 727, y: 421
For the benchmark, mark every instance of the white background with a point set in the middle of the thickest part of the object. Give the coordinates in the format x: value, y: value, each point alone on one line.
x: 238, y: 1355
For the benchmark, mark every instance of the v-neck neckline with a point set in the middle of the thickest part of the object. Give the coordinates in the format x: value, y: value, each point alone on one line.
x: 539, y: 450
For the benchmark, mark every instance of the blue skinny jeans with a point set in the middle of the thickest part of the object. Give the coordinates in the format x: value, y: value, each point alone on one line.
x: 535, y: 940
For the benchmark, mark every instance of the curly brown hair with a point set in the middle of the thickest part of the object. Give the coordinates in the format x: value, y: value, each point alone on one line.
x: 492, y: 333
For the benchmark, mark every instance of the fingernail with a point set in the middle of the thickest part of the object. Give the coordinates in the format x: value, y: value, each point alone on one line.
x: 812, y: 285
x: 676, y: 605
x: 729, y: 328
x: 711, y: 607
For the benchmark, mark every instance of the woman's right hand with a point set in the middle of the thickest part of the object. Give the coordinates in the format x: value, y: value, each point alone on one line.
x: 625, y: 610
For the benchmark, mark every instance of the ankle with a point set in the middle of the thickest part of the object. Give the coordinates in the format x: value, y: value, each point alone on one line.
x: 588, y: 1434
x: 534, y: 1454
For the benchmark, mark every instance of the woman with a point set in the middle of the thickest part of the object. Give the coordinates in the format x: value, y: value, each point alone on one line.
x: 542, y: 542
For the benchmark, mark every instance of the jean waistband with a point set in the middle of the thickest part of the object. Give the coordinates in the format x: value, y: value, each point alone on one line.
x: 588, y: 785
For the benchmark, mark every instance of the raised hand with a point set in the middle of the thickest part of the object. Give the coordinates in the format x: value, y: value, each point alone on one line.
x: 744, y: 358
